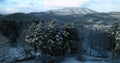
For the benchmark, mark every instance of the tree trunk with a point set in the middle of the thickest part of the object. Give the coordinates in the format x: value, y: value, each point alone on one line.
x: 43, y: 59
x: 91, y: 49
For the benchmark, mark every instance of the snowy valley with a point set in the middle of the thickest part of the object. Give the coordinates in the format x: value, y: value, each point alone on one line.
x: 68, y: 35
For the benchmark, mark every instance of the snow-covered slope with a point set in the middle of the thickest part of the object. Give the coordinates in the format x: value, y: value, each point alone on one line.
x: 89, y: 59
x: 71, y: 10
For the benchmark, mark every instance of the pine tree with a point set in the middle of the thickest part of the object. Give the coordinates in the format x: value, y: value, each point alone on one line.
x: 115, y: 34
x: 49, y: 38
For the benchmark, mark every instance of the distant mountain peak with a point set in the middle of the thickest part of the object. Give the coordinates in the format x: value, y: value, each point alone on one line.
x: 71, y: 11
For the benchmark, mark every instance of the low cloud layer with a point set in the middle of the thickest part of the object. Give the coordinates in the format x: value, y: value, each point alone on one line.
x: 12, y: 6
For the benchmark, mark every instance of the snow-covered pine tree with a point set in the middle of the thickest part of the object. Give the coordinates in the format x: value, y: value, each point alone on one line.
x: 51, y: 39
x: 115, y: 34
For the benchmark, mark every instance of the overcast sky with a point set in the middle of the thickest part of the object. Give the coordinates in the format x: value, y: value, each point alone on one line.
x: 12, y: 6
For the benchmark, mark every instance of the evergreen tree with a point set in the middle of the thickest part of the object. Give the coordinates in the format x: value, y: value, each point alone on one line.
x: 115, y: 36
x: 49, y: 38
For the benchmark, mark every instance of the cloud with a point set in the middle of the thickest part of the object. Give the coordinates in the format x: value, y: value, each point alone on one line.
x: 105, y: 6
x: 11, y: 6
x: 8, y: 10
x: 64, y: 3
x: 25, y: 6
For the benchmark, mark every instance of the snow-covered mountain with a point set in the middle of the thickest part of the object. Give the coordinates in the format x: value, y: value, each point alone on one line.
x: 71, y: 11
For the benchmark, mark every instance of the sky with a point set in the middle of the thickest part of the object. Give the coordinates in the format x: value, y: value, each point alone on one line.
x: 27, y: 6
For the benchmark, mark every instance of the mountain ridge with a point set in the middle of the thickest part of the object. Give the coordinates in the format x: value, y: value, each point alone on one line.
x: 71, y: 11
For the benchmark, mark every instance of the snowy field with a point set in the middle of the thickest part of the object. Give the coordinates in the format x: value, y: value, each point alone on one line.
x: 73, y: 60
x: 89, y: 59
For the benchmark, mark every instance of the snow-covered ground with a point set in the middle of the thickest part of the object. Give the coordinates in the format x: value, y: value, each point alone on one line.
x: 89, y: 59
x: 72, y: 60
